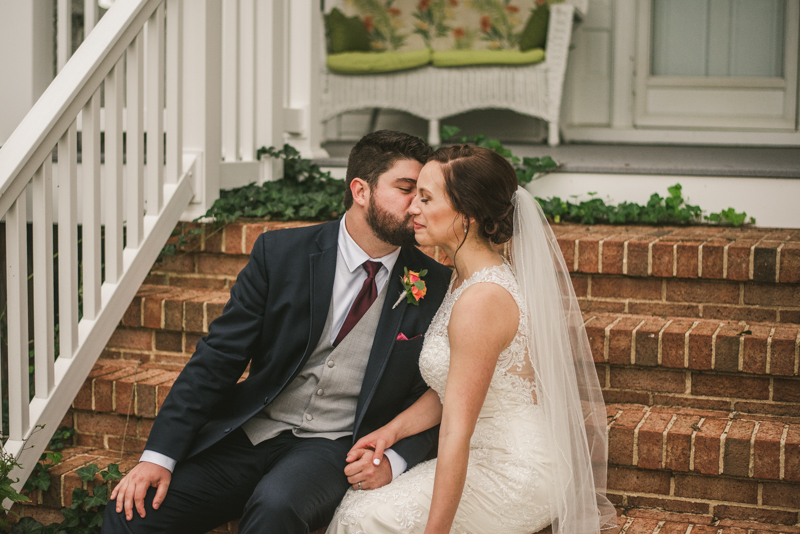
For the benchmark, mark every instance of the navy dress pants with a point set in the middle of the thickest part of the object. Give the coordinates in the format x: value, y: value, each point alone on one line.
x: 284, y: 485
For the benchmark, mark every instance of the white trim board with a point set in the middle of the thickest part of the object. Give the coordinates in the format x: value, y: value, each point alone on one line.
x: 772, y: 201
x: 679, y: 137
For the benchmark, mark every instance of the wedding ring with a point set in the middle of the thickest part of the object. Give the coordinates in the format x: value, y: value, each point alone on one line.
x: 359, y: 486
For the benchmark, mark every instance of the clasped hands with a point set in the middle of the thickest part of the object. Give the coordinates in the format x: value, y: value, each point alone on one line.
x: 131, y: 490
x: 366, y: 462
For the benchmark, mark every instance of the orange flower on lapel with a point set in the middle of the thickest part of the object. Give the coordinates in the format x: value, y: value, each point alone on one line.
x: 414, y: 288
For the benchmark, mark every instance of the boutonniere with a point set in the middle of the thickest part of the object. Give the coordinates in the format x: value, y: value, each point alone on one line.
x: 414, y: 288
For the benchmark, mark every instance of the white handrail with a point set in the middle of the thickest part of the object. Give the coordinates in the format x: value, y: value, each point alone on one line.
x: 58, y: 106
x: 115, y: 43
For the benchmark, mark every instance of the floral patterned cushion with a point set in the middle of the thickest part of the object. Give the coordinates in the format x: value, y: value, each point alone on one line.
x: 403, y: 25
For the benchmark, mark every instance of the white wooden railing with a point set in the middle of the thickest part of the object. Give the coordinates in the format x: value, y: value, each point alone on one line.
x: 141, y: 203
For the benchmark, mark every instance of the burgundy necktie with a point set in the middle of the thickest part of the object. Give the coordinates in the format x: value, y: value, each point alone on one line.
x: 364, y: 299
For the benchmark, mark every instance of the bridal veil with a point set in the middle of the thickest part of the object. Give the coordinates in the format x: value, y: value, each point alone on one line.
x: 567, y: 387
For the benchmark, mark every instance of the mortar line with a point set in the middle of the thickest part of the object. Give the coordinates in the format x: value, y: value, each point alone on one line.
x: 686, y: 345
x: 636, y: 436
x: 661, y: 336
x: 664, y: 441
x: 658, y: 527
x: 797, y: 353
x: 633, y: 341
x: 244, y: 239
x: 740, y: 363
x: 606, y: 340
x: 700, y: 260
x: 752, y: 461
x: 769, y: 349
x: 575, y: 255
x: 725, y: 261
x: 778, y: 264
x: 625, y: 527
x: 753, y: 258
x: 695, y: 430
x: 675, y: 259
x: 722, y: 440
x: 650, y: 257
x: 714, y: 346
x: 783, y: 451
x: 625, y: 257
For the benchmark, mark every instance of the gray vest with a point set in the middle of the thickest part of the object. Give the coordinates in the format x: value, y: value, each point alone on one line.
x: 321, y: 400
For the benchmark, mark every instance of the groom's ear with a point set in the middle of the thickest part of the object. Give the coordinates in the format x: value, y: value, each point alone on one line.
x: 360, y: 190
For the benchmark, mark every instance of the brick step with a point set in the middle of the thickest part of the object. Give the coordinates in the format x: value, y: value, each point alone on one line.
x: 724, y: 465
x: 702, y: 363
x: 118, y: 402
x: 706, y: 252
x: 642, y: 515
x: 45, y: 506
x: 654, y: 521
x: 703, y: 272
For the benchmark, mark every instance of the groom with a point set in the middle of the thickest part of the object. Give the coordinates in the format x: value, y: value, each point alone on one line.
x: 331, y: 359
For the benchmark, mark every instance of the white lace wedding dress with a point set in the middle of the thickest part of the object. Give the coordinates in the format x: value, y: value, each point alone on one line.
x: 508, y: 477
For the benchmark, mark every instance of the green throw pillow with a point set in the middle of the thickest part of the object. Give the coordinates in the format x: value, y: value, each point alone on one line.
x: 374, y: 62
x: 465, y: 58
x: 535, y: 33
x: 345, y: 34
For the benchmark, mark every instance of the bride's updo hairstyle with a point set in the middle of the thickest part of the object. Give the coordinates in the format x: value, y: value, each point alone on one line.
x: 479, y: 184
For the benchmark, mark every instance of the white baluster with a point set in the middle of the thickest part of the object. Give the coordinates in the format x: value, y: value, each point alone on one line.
x: 64, y: 33
x: 67, y: 243
x: 43, y: 326
x: 134, y: 153
x: 91, y: 14
x: 174, y: 90
x: 92, y: 259
x: 17, y: 278
x: 272, y: 76
x: 230, y: 80
x: 247, y: 81
x: 155, y: 111
x: 113, y: 150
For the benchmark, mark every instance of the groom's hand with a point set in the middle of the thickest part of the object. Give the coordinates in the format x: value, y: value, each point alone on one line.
x: 131, y: 490
x: 363, y: 470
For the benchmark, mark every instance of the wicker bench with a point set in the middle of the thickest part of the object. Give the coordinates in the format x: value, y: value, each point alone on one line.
x: 435, y: 93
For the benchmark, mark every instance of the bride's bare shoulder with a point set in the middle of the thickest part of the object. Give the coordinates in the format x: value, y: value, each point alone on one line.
x: 486, y: 311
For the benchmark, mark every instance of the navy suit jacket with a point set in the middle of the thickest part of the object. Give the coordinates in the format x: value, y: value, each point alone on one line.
x: 273, y: 321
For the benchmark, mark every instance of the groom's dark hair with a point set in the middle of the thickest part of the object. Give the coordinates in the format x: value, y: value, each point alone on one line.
x: 375, y: 154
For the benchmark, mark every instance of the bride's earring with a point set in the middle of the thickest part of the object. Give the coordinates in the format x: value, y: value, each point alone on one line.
x: 465, y: 227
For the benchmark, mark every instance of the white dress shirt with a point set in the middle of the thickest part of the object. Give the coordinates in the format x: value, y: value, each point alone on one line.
x: 347, y: 284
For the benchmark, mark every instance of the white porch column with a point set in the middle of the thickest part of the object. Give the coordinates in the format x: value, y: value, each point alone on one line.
x: 306, y: 52
x: 271, y: 81
x: 26, y: 63
x: 202, y: 104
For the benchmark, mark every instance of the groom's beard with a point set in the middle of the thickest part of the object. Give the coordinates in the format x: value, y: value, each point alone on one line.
x: 389, y: 228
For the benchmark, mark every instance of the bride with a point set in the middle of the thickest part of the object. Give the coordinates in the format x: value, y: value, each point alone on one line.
x: 522, y: 442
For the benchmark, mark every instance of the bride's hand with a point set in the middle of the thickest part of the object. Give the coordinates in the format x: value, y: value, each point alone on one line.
x: 381, y: 439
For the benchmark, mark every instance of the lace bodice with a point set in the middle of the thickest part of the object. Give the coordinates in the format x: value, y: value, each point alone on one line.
x: 508, y: 476
x: 513, y: 375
